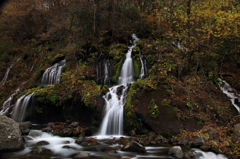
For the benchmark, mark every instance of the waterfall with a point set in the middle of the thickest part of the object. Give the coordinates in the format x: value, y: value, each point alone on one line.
x: 230, y: 92
x: 52, y: 74
x: 21, y: 107
x: 112, y: 123
x: 5, y: 76
x: 7, y: 104
x: 144, y: 66
x: 33, y: 65
x: 107, y: 69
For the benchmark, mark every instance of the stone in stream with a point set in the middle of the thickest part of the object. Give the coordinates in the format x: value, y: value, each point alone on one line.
x: 80, y: 139
x: 198, y: 141
x: 81, y: 155
x: 133, y: 146
x: 176, y: 151
x: 25, y: 127
x: 11, y: 136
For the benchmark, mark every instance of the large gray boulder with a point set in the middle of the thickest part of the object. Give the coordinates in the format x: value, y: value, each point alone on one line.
x: 176, y: 151
x: 11, y: 136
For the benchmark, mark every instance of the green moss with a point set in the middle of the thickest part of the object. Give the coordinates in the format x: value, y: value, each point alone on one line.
x: 57, y: 58
x: 105, y: 88
x: 118, y: 71
x: 137, y: 67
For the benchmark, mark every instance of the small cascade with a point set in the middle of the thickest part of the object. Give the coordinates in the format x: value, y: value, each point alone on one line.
x: 231, y: 93
x: 126, y: 75
x: 33, y: 65
x: 21, y: 107
x: 107, y: 69
x: 52, y: 74
x: 5, y: 76
x: 112, y: 123
x: 7, y: 104
x: 144, y: 66
x: 103, y: 70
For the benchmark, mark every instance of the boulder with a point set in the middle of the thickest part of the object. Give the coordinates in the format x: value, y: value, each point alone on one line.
x: 183, y: 141
x: 151, y: 136
x: 91, y: 140
x: 133, y: 146
x: 25, y: 127
x: 176, y: 151
x: 50, y: 124
x: 82, y: 155
x: 236, y: 133
x: 198, y: 141
x: 80, y: 139
x: 11, y: 136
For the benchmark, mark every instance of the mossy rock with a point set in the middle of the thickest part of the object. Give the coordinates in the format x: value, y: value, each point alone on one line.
x: 118, y: 71
x: 58, y: 58
x: 105, y: 89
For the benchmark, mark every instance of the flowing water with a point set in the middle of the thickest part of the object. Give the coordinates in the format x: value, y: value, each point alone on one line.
x: 6, y: 76
x: 107, y: 69
x: 52, y: 74
x: 45, y: 145
x: 144, y: 67
x: 230, y: 92
x: 112, y: 123
x: 7, y: 104
x: 21, y: 107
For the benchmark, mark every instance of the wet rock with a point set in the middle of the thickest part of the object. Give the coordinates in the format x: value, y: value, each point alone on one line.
x: 176, y: 151
x: 47, y: 129
x: 120, y: 90
x: 133, y: 146
x: 105, y: 90
x: 10, y: 138
x: 82, y: 155
x: 50, y: 124
x: 66, y: 147
x: 198, y: 141
x: 161, y: 139
x: 151, y: 136
x: 41, y: 150
x: 57, y: 127
x: 189, y: 155
x: 66, y: 142
x: 84, y: 143
x: 67, y: 132
x: 80, y: 140
x: 236, y: 133
x: 91, y: 140
x: 42, y: 143
x: 74, y: 124
x: 183, y: 141
x: 25, y: 127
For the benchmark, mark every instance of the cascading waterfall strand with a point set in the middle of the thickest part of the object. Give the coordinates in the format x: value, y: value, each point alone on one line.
x: 112, y: 123
x: 52, y: 74
x: 7, y: 104
x: 21, y: 107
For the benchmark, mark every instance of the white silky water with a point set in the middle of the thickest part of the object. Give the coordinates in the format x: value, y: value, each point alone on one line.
x: 112, y: 123
x: 7, y: 104
x: 143, y: 68
x: 107, y: 68
x: 21, y: 107
x: 6, y: 76
x: 52, y: 74
x: 230, y: 92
